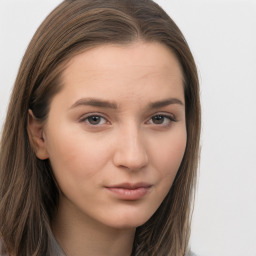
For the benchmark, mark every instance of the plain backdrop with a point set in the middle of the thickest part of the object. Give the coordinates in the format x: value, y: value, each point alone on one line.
x: 222, y: 37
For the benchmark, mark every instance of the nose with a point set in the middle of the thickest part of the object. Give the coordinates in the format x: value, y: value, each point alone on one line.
x: 130, y: 150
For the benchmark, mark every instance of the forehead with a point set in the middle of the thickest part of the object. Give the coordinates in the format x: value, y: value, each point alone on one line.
x: 124, y: 71
x: 139, y: 57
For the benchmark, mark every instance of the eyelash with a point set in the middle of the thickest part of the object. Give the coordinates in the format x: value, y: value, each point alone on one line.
x: 170, y: 119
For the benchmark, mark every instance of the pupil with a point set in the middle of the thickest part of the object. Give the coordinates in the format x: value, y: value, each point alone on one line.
x: 158, y: 119
x: 94, y: 119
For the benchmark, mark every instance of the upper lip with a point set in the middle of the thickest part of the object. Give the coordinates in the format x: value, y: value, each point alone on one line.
x: 131, y: 185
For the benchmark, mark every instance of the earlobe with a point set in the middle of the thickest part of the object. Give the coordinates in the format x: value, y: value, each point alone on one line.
x: 36, y: 136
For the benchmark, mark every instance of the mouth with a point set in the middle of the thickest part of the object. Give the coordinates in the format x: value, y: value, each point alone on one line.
x: 130, y: 192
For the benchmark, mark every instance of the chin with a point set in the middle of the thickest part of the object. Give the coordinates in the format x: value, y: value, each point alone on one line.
x: 128, y: 221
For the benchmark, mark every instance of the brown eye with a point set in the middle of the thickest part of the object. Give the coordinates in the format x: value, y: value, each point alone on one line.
x: 94, y: 120
x: 159, y: 119
x: 162, y: 119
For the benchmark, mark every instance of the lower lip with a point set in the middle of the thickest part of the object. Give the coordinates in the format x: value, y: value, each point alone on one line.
x: 130, y: 194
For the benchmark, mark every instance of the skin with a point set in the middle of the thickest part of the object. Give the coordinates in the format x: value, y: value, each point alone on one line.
x: 92, y: 148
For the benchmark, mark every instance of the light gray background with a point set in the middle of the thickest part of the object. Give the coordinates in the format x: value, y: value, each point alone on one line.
x: 222, y: 38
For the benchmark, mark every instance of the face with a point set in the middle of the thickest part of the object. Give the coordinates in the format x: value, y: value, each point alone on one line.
x: 116, y: 132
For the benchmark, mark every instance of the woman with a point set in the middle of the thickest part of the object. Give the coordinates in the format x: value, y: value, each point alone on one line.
x: 99, y: 150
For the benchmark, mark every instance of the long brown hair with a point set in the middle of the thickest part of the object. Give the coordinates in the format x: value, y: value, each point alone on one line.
x: 28, y: 191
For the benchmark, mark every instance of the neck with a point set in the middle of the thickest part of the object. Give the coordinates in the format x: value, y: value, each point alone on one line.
x: 82, y: 235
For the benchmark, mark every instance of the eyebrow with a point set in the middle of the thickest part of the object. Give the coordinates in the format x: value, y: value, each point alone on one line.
x: 166, y: 102
x: 95, y: 103
x: 108, y: 104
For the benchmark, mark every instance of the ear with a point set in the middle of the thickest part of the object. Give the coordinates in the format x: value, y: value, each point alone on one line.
x: 36, y: 136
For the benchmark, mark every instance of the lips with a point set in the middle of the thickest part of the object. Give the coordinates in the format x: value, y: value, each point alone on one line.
x: 128, y: 191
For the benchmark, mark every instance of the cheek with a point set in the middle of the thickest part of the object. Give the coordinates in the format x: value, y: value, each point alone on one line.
x: 167, y: 159
x: 172, y: 157
x: 74, y: 154
x: 169, y: 152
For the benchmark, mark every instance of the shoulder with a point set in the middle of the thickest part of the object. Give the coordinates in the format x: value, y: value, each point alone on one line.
x: 192, y: 254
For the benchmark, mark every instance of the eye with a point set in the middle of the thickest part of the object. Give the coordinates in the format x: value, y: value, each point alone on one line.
x: 161, y: 119
x: 94, y: 120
